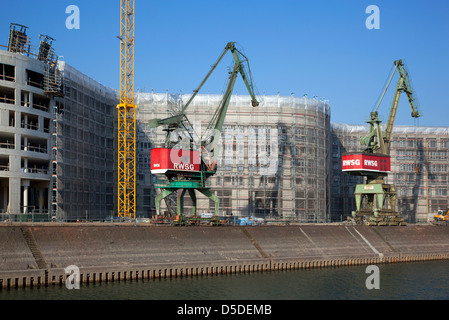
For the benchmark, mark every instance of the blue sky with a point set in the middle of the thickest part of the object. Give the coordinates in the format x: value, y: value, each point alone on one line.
x: 320, y: 48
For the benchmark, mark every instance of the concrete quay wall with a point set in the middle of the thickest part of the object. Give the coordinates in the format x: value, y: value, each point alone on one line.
x: 37, y: 254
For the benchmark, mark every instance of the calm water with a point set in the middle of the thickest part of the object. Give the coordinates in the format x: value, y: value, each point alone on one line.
x: 420, y: 281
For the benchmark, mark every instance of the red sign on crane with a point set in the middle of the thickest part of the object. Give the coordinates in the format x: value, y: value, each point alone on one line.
x: 365, y: 162
x: 165, y: 159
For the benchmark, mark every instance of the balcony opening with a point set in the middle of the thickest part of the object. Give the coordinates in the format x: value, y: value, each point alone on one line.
x: 46, y: 125
x: 29, y: 121
x: 35, y: 166
x: 35, y: 79
x: 12, y: 118
x: 34, y: 144
x: 41, y: 103
x: 7, y: 72
x: 7, y: 140
x: 36, y: 201
x: 7, y: 95
x: 4, y: 163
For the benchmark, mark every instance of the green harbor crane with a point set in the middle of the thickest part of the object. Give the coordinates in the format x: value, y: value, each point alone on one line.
x: 375, y: 199
x: 186, y: 162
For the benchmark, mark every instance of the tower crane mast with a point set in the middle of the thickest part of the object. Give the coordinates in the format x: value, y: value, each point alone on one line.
x: 126, y: 186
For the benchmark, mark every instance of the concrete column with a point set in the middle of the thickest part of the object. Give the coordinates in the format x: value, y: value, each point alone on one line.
x: 17, y: 115
x: 14, y: 163
x: 17, y: 93
x: 25, y: 121
x: 40, y: 123
x: 26, y: 99
x: 20, y: 72
x: 14, y: 195
x: 41, y: 199
x: 31, y: 99
x: 17, y: 141
x: 4, y: 117
x: 25, y: 199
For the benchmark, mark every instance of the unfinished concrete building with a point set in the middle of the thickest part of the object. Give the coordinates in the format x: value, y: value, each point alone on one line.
x: 56, y: 136
x: 28, y: 85
x: 274, y: 160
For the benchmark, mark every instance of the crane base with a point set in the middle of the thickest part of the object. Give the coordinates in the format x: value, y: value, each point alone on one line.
x: 167, y: 191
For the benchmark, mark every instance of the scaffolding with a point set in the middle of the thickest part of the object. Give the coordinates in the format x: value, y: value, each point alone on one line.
x: 267, y: 166
x: 18, y: 42
x: 419, y: 169
x: 83, y: 145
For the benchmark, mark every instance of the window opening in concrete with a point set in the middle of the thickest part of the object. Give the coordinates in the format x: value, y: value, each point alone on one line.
x: 6, y: 140
x: 34, y: 144
x: 35, y: 79
x: 4, y: 163
x: 7, y: 72
x: 29, y: 121
x: 41, y: 103
x: 12, y: 117
x: 7, y: 95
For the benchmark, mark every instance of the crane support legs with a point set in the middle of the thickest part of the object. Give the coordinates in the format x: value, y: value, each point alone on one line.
x: 375, y: 203
x: 180, y: 199
x: 161, y: 196
x: 211, y: 196
x: 180, y: 203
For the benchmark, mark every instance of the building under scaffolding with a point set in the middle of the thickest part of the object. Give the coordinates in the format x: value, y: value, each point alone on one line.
x: 83, y: 148
x: 274, y: 160
x: 419, y: 169
x: 281, y: 159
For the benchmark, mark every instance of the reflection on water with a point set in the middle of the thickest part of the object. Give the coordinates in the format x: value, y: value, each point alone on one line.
x: 423, y: 280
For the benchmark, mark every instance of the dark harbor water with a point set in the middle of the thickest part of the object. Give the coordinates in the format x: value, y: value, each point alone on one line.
x: 411, y: 281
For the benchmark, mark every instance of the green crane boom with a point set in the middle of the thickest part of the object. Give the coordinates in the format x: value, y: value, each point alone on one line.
x: 239, y: 67
x: 377, y: 199
x: 376, y: 141
x: 196, y: 180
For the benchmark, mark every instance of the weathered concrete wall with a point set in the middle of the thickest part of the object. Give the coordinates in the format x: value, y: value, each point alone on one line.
x: 14, y: 251
x: 106, y: 252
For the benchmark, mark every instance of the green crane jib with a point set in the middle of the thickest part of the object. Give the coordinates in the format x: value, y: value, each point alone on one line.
x: 240, y: 60
x: 376, y: 199
x: 193, y: 177
x: 376, y: 141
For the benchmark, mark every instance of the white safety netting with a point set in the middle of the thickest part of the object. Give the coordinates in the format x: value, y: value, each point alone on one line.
x: 400, y: 130
x: 242, y: 101
x: 81, y: 79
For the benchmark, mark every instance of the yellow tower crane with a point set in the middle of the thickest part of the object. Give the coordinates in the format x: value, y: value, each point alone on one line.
x: 126, y: 115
